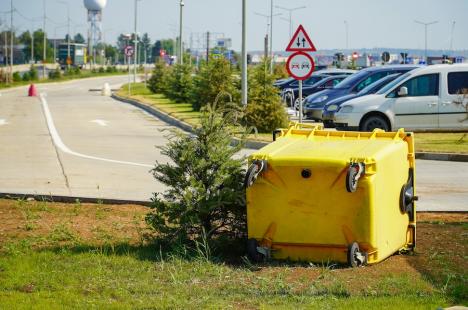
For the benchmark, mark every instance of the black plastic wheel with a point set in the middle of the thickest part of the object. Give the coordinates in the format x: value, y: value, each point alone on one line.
x: 252, y: 252
x: 351, y: 183
x: 250, y: 176
x: 406, y: 198
x: 373, y: 122
x: 353, y: 250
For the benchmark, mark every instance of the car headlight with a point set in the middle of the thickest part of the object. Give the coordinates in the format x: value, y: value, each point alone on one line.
x: 332, y: 107
x: 346, y: 109
x: 320, y: 99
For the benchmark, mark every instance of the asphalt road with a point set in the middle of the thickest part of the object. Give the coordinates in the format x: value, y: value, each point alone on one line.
x: 79, y: 143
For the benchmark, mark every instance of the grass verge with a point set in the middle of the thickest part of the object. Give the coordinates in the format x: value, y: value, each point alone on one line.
x: 78, y: 255
x: 425, y: 142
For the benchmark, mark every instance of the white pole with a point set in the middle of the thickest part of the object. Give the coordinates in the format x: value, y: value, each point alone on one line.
x: 244, y: 52
x: 12, y: 39
x: 136, y: 45
x: 451, y: 37
x: 271, y: 37
x: 181, y: 49
x: 300, y: 102
x: 44, y: 56
x: 129, y: 86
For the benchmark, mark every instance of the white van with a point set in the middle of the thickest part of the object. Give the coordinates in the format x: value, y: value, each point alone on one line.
x: 428, y: 98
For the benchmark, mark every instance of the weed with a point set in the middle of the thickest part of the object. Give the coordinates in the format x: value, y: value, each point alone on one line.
x: 62, y: 233
x: 77, y: 207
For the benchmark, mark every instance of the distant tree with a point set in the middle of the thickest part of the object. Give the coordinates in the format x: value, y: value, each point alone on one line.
x: 110, y: 52
x: 166, y: 44
x: 25, y: 38
x: 145, y: 45
x: 78, y: 38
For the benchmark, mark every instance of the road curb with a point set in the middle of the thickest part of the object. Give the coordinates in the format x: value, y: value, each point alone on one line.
x: 73, y: 199
x: 442, y: 156
x: 156, y: 112
x: 252, y: 144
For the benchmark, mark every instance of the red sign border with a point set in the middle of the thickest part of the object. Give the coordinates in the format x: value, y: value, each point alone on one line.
x: 311, y: 70
x: 131, y: 48
x: 298, y: 49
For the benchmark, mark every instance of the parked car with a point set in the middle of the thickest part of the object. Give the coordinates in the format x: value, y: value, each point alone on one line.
x: 352, y: 84
x: 426, y: 98
x: 291, y: 95
x: 328, y: 112
x: 316, y: 76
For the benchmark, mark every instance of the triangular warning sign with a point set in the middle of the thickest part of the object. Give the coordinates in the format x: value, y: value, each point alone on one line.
x: 300, y: 41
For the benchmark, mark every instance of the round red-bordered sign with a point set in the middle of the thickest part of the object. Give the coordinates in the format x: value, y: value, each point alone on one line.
x: 300, y: 66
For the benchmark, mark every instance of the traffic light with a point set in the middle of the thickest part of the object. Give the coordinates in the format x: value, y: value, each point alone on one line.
x: 249, y: 59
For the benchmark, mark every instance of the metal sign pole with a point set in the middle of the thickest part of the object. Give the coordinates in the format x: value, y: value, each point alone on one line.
x: 300, y: 101
x: 129, y: 87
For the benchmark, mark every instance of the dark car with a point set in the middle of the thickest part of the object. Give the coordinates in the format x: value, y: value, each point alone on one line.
x: 291, y: 95
x: 328, y: 112
x: 351, y: 85
x: 292, y: 83
x: 316, y: 76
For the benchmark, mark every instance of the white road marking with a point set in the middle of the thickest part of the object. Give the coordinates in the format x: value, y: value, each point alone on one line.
x: 100, y: 122
x: 3, y: 122
x: 59, y: 143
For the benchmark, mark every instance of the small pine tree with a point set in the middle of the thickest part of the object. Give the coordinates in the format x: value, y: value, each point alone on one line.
x: 205, y: 194
x: 179, y: 84
x: 215, y: 77
x: 264, y: 111
x: 158, y: 81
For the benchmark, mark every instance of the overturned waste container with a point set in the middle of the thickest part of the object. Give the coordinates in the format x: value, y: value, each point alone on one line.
x: 331, y: 196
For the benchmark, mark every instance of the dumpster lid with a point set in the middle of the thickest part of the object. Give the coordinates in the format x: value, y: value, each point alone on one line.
x: 299, y: 144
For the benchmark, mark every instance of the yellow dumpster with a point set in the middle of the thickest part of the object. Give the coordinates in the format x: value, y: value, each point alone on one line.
x: 330, y: 196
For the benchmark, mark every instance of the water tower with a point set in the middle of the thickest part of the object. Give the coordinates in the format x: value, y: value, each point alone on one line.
x: 94, y: 8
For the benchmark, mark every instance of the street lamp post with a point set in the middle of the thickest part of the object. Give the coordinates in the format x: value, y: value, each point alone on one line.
x: 181, y: 51
x: 44, y: 55
x: 451, y: 37
x: 136, y: 43
x: 269, y: 19
x: 290, y: 10
x: 244, y: 53
x: 425, y: 35
x: 68, y: 32
x: 347, y: 33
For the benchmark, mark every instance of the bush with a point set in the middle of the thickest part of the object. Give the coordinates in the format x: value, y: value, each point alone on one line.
x: 55, y: 74
x: 265, y: 110
x: 179, y: 84
x: 157, y: 83
x: 215, y: 77
x: 101, y: 70
x: 26, y: 76
x: 109, y: 69
x: 33, y: 76
x: 16, y: 77
x: 205, y: 193
x: 76, y: 70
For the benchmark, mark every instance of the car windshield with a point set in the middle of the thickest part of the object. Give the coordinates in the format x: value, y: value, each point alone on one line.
x: 351, y: 80
x: 390, y: 85
x: 378, y: 84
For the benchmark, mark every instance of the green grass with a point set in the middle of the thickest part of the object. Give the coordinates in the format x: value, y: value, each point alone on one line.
x: 77, y: 257
x: 441, y: 142
x: 84, y: 74
x: 135, y: 277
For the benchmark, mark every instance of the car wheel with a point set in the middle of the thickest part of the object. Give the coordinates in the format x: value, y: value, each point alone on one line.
x: 373, y: 122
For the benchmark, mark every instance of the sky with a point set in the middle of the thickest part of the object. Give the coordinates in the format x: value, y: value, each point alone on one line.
x: 371, y: 23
